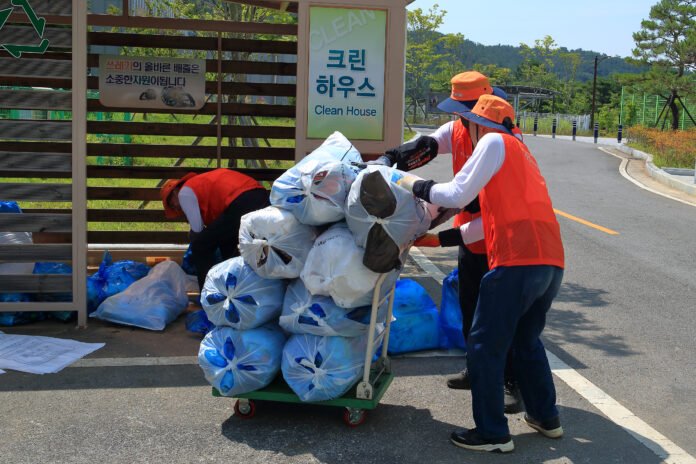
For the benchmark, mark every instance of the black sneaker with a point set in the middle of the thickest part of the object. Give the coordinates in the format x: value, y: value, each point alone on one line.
x: 513, y: 398
x: 470, y: 439
x: 459, y: 381
x: 550, y: 428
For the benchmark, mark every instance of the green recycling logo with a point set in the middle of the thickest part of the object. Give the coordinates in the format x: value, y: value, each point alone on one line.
x: 39, y: 24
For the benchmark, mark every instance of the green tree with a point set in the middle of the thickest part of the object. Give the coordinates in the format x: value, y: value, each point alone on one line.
x: 422, y: 59
x: 667, y: 42
x: 537, y: 65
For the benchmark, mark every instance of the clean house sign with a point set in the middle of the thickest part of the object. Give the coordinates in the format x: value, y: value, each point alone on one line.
x: 346, y: 73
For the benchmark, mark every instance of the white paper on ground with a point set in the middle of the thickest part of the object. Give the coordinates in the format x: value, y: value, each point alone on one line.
x: 41, y: 355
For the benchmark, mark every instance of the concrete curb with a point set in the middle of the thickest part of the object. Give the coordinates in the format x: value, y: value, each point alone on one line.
x: 657, y: 173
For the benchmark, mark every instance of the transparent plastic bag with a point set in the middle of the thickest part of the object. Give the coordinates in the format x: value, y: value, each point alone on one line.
x: 384, y: 217
x: 323, y: 368
x: 274, y: 243
x: 234, y: 295
x: 335, y: 268
x: 319, y: 315
x: 240, y: 361
x: 151, y: 302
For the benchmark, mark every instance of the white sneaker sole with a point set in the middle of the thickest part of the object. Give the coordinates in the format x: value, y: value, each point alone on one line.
x: 553, y: 433
x: 494, y: 448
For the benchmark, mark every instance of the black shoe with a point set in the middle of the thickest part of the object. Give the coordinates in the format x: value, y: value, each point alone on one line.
x: 513, y: 398
x: 459, y: 381
x: 470, y: 439
x: 550, y: 428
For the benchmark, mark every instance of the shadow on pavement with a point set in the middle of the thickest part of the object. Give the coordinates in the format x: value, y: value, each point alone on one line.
x: 407, y: 434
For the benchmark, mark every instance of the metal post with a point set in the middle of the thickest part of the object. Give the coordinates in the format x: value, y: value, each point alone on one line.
x: 536, y: 124
x: 596, y: 131
x: 620, y: 134
x: 553, y: 128
x: 594, y: 91
x: 575, y: 128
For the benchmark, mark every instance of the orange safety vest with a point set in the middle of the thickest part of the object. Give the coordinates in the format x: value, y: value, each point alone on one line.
x: 215, y: 190
x: 461, y: 152
x: 518, y: 219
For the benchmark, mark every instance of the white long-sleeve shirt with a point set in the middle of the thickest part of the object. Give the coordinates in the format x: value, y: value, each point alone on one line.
x: 485, y: 162
x: 189, y: 205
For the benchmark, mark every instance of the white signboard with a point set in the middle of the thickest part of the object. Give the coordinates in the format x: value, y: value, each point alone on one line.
x: 346, y: 73
x: 150, y: 82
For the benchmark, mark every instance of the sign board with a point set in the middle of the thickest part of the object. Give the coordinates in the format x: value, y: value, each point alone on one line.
x: 151, y: 82
x: 346, y: 73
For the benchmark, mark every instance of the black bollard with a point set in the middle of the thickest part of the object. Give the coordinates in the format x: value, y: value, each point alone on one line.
x: 575, y: 129
x: 553, y: 128
x: 620, y: 134
x: 536, y: 124
x: 596, y: 132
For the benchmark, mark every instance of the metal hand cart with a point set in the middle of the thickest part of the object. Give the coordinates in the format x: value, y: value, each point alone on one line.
x: 363, y: 396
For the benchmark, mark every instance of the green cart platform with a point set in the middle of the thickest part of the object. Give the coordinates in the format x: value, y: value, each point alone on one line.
x: 363, y: 396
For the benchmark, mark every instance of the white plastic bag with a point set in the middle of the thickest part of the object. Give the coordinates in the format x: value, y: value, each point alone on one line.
x: 319, y: 315
x: 274, y: 243
x: 384, y: 217
x: 240, y: 361
x: 151, y: 302
x: 335, y: 268
x: 323, y: 368
x: 234, y: 295
x: 315, y: 189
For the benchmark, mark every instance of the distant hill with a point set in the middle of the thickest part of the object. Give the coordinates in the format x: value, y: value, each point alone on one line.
x: 508, y: 56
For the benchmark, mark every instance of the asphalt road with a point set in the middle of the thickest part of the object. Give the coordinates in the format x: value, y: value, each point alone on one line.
x: 625, y: 317
x: 624, y: 320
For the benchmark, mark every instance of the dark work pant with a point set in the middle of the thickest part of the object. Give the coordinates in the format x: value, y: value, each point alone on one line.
x: 511, y: 312
x: 223, y: 233
x: 472, y: 268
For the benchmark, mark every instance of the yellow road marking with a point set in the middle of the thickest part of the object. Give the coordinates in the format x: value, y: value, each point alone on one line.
x: 584, y: 222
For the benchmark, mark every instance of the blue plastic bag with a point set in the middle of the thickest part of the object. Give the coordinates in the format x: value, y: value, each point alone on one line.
x: 197, y: 322
x: 112, y: 278
x: 415, y: 327
x: 55, y: 268
x: 187, y: 264
x: 234, y: 295
x: 151, y: 302
x: 451, y: 322
x: 240, y: 361
x: 320, y: 315
x: 323, y: 368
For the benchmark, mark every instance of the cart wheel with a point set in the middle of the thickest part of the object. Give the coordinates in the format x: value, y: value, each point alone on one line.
x: 244, y: 409
x: 354, y: 417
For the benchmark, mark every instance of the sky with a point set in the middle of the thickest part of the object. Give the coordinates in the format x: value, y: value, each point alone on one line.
x: 604, y: 26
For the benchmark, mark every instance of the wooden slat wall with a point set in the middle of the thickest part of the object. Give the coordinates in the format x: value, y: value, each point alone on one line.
x: 33, y: 152
x: 41, y: 148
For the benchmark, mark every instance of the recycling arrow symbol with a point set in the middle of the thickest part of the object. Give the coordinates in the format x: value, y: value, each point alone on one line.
x: 39, y: 24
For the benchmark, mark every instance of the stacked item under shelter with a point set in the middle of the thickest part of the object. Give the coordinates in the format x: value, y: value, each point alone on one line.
x: 325, y: 213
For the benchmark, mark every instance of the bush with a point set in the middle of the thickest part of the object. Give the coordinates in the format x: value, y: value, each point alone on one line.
x: 675, y: 149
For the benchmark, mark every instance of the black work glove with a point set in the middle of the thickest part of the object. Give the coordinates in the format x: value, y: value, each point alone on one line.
x: 413, y: 154
x: 473, y: 207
